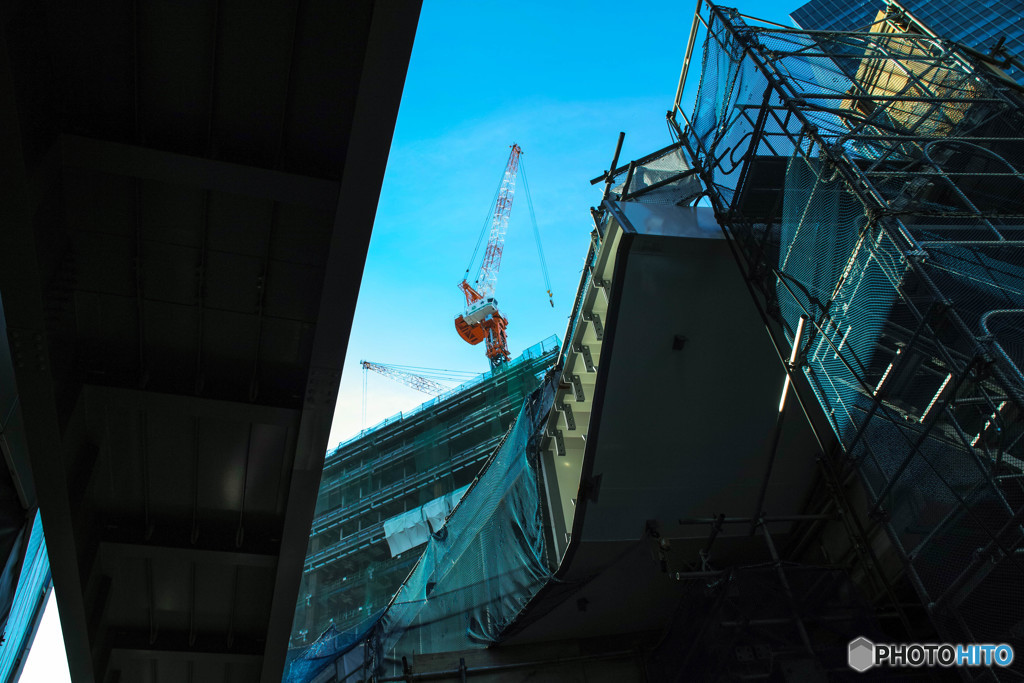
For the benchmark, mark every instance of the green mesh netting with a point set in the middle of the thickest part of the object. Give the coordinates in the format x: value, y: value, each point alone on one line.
x: 344, y: 652
x: 475, y: 575
x: 356, y: 559
x: 487, y: 563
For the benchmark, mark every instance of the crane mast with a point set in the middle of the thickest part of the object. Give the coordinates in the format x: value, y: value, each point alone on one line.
x: 481, y: 321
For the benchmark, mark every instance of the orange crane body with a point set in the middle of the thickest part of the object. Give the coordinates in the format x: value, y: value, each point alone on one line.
x: 483, y: 322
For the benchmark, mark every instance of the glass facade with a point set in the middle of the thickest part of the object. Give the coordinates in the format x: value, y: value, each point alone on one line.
x: 976, y: 24
x: 29, y: 600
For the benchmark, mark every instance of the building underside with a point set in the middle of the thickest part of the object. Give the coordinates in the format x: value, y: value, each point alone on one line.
x: 189, y: 193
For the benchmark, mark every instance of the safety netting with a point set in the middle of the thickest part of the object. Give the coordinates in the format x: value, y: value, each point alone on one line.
x: 873, y: 185
x: 342, y: 654
x: 475, y: 575
x: 663, y: 177
x: 384, y: 492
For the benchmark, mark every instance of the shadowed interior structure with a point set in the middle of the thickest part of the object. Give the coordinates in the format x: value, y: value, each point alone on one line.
x: 191, y: 189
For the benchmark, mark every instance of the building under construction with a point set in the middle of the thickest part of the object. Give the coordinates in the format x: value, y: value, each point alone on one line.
x: 786, y: 414
x: 386, y: 490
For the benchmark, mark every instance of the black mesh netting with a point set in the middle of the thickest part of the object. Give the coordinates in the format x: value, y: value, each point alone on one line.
x: 873, y: 186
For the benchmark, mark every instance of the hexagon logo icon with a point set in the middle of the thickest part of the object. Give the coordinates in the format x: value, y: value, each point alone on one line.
x: 861, y: 655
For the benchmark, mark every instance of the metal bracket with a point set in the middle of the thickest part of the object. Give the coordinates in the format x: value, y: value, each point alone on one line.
x: 577, y: 389
x: 570, y: 421
x: 598, y: 327
x: 918, y: 255
x: 556, y: 436
x: 588, y: 360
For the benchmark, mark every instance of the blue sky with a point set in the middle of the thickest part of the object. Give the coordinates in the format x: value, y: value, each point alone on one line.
x: 561, y: 81
x: 559, y: 78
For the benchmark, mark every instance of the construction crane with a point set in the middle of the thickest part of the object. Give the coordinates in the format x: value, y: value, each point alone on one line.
x: 482, y: 321
x: 417, y: 382
x: 426, y: 380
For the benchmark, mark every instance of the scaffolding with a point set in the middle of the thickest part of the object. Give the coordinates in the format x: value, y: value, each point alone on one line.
x: 871, y: 185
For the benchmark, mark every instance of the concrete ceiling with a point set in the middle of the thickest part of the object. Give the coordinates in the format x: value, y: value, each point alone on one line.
x: 192, y: 188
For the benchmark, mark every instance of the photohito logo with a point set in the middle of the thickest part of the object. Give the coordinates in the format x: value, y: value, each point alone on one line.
x: 863, y: 654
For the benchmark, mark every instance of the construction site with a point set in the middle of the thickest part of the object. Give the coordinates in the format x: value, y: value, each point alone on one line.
x: 787, y: 411
x: 386, y: 490
x: 780, y: 436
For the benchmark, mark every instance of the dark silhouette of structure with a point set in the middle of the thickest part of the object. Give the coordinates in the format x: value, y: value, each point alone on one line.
x: 188, y: 196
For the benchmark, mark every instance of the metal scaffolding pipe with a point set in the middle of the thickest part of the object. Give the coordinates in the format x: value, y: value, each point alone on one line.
x: 464, y: 671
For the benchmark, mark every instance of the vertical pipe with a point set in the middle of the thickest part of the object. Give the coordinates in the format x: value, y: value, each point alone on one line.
x: 786, y: 588
x: 777, y: 432
x: 195, y: 481
x: 629, y: 181
x: 686, y: 59
x: 797, y: 337
x: 611, y: 171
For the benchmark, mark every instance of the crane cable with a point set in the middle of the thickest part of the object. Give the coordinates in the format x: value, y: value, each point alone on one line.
x: 365, y: 372
x: 536, y: 234
x: 484, y: 230
x: 437, y: 374
x: 431, y: 374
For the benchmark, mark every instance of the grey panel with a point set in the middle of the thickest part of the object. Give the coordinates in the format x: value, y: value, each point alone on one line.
x: 669, y: 446
x: 679, y: 431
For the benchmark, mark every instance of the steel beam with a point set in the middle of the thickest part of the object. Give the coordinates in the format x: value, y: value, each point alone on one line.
x: 225, y: 656
x: 389, y: 45
x: 22, y: 284
x: 194, y: 406
x: 179, y: 169
x: 116, y: 551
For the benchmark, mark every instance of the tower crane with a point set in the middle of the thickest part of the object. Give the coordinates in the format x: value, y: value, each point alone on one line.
x: 481, y: 320
x: 409, y: 379
x: 426, y: 380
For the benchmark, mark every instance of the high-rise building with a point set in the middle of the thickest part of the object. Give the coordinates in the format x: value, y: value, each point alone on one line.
x: 978, y: 25
x: 385, y: 491
x: 29, y: 590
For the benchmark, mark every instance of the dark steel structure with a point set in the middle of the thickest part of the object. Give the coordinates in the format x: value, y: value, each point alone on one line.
x: 189, y: 193
x: 870, y: 183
